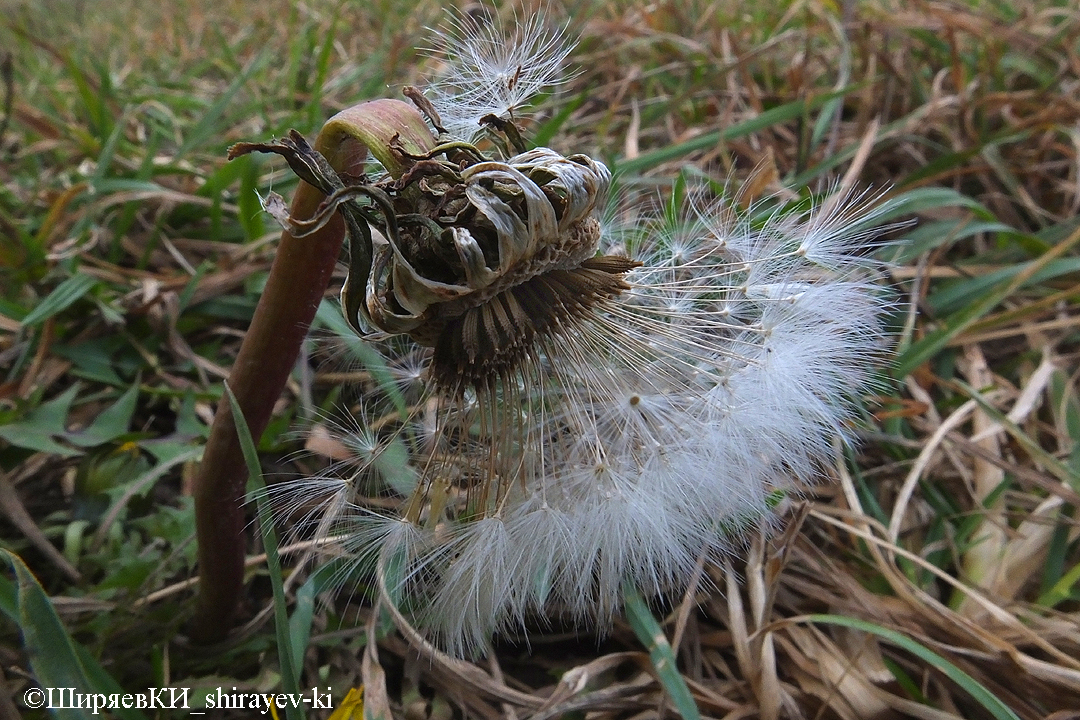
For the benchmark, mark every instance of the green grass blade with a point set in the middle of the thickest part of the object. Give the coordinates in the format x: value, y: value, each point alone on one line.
x: 290, y: 677
x: 301, y: 618
x: 984, y: 697
x: 932, y: 235
x: 94, y: 99
x: 934, y: 341
x: 825, y: 120
x: 1057, y: 554
x: 947, y: 163
x: 1058, y: 469
x: 322, y: 72
x: 108, y: 151
x: 62, y: 297
x: 249, y: 204
x: 1063, y: 589
x: 547, y: 132
x: 209, y: 125
x: 921, y: 351
x: 774, y: 116
x: 959, y: 293
x: 651, y: 635
x: 921, y: 200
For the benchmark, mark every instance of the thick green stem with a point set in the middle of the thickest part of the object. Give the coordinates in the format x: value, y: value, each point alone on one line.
x: 298, y: 279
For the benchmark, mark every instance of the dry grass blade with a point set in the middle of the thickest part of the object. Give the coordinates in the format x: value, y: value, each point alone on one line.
x: 376, y: 702
x: 16, y: 512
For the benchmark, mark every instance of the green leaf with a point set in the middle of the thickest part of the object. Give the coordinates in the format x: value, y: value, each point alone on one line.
x: 142, y: 482
x: 61, y: 298
x: 37, y: 430
x: 96, y: 359
x: 111, y: 423
x: 188, y: 423
x: 392, y: 462
x: 56, y: 659
x: 329, y: 315
x: 984, y: 697
x: 9, y: 598
x: 651, y: 635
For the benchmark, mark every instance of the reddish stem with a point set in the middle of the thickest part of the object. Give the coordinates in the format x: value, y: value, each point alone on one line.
x: 298, y: 279
x: 294, y: 289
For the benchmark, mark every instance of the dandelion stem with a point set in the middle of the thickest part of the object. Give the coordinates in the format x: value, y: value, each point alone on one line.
x: 295, y: 287
x: 298, y: 277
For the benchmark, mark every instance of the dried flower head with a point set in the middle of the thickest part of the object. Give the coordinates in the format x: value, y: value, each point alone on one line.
x: 506, y: 257
x: 592, y: 410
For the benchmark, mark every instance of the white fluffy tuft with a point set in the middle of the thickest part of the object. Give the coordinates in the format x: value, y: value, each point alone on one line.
x: 615, y: 444
x: 654, y: 431
x: 492, y: 71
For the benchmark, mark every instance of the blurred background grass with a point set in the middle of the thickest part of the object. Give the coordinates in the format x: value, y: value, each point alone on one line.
x: 132, y: 255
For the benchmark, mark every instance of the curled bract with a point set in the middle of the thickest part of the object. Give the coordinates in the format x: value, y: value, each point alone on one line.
x: 464, y: 270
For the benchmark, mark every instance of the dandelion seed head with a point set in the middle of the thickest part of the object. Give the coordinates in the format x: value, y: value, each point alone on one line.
x: 578, y: 404
x: 492, y: 71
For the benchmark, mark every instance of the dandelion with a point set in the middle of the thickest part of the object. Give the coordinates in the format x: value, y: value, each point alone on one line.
x: 590, y: 409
